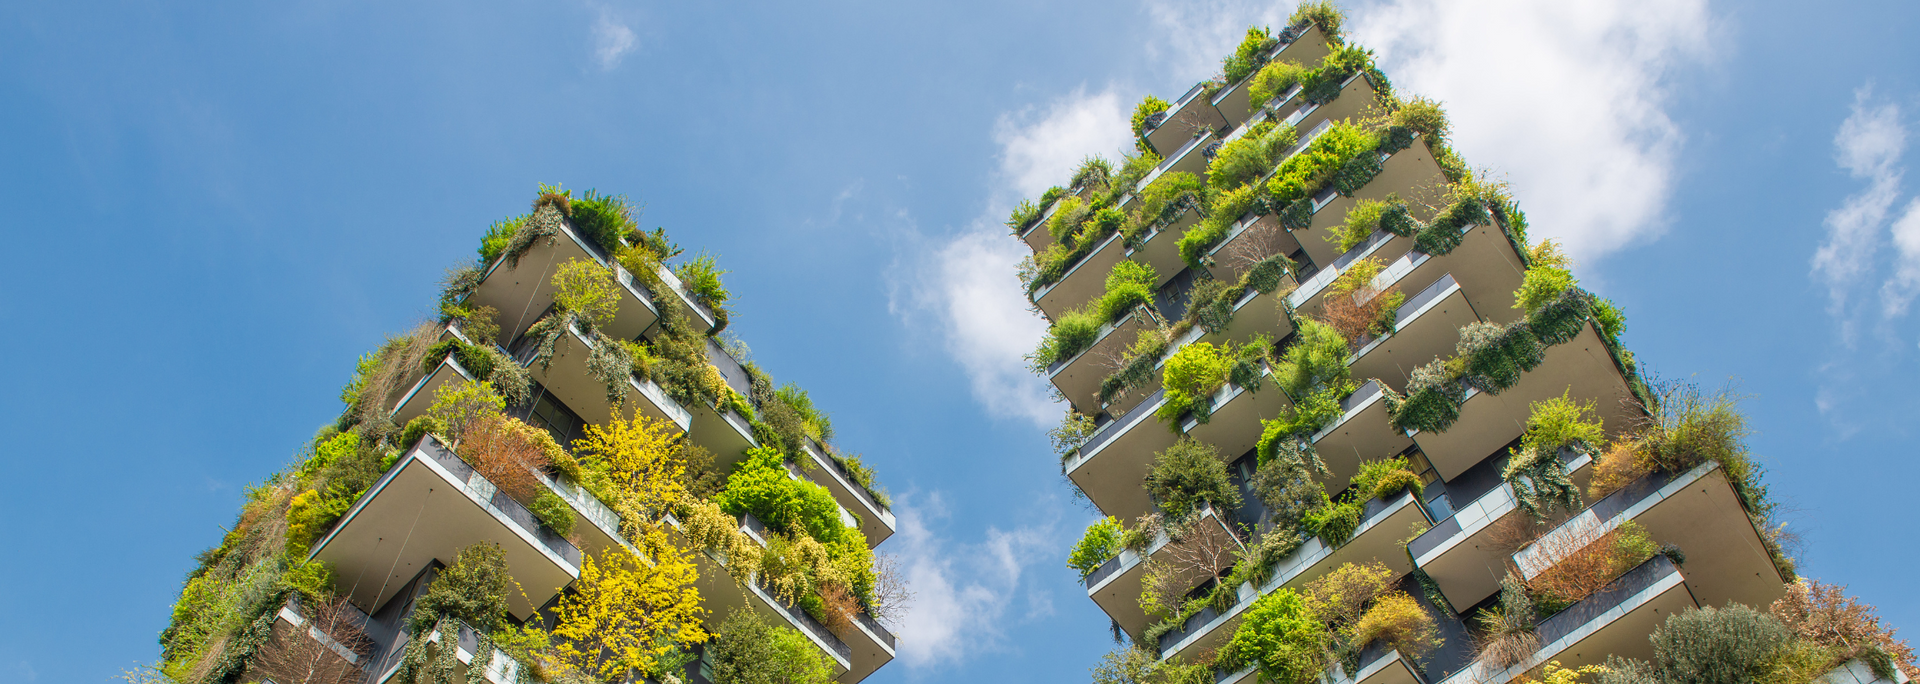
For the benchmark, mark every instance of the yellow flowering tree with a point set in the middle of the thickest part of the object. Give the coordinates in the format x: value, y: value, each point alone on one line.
x: 627, y: 612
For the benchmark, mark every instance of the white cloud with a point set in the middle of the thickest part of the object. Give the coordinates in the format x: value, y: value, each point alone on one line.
x: 612, y: 40
x: 963, y: 591
x: 1565, y: 100
x: 1868, y: 146
x: 967, y: 284
x: 1899, y: 290
x: 1198, y: 35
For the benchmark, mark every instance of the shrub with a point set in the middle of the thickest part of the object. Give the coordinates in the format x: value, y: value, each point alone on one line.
x: 1094, y: 172
x: 1318, y: 358
x: 749, y: 650
x: 1731, y: 645
x: 1355, y: 308
x: 1616, y: 468
x: 1398, y: 621
x: 1285, y: 480
x: 1071, y: 334
x: 1584, y: 563
x: 1385, y: 478
x: 1274, y: 80
x: 1129, y: 284
x: 1248, y: 55
x: 1334, y: 522
x: 701, y: 278
x: 418, y: 428
x: 1067, y: 217
x: 1822, y: 614
x: 604, y: 219
x: 1609, y: 319
x: 813, y: 421
x: 1432, y: 401
x: 1321, y: 13
x: 1190, y: 378
x: 1247, y: 157
x: 1282, y: 636
x: 1493, y: 356
x: 1563, y: 422
x: 1360, y: 223
x: 553, y: 512
x: 1127, y: 665
x: 1190, y: 474
x: 1342, y: 595
x: 1148, y: 107
x: 1101, y: 542
x: 474, y: 591
x: 509, y: 453
x: 586, y: 289
x: 1424, y: 115
x: 498, y: 236
x: 1302, y: 174
x: 761, y: 486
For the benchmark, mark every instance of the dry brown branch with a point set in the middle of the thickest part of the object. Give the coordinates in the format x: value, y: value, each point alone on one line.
x: 508, y: 452
x: 398, y: 369
x: 1585, y: 560
x: 1260, y: 241
x: 1824, y: 614
x: 838, y: 609
x: 306, y: 654
x: 893, y: 597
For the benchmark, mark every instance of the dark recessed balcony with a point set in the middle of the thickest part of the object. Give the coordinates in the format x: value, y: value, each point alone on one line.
x: 1582, y: 367
x: 427, y: 507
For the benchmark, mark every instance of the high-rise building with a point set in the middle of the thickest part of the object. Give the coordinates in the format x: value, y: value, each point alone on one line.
x: 1345, y: 418
x: 571, y: 476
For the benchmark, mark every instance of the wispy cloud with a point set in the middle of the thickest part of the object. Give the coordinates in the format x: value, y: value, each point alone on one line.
x: 1565, y: 100
x: 965, y: 283
x: 1851, y: 262
x: 612, y: 40
x: 964, y: 591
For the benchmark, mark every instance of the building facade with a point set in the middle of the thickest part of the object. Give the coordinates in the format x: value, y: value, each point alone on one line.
x: 1347, y: 422
x: 569, y: 477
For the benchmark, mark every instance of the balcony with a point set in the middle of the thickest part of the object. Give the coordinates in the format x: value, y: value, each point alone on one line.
x: 1078, y: 378
x: 1355, y: 98
x: 1378, y: 665
x: 1426, y: 326
x: 1224, y: 259
x: 1582, y: 367
x: 1382, y: 525
x: 876, y: 521
x: 1462, y: 553
x: 567, y: 378
x: 416, y: 401
x: 1115, y: 585
x: 1183, y: 120
x: 1697, y: 511
x: 696, y: 314
x: 426, y: 508
x: 872, y: 645
x: 724, y: 432
x: 1234, y: 428
x: 1111, y: 465
x: 1409, y: 172
x: 1857, y: 671
x: 1161, y: 247
x: 520, y: 292
x: 1613, y: 621
x: 1361, y: 433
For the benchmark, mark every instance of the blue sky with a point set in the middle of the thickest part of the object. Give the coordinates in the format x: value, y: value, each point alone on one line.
x: 215, y: 209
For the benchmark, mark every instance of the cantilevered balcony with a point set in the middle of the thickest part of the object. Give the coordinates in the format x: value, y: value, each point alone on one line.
x: 1183, y: 120
x: 427, y: 507
x: 1111, y: 465
x: 1425, y: 327
x: 567, y: 377
x: 1857, y: 671
x: 1308, y: 49
x: 520, y: 291
x: 1383, y: 523
x: 1378, y: 665
x: 1251, y: 239
x: 1582, y: 367
x: 1160, y: 247
x: 1115, y: 585
x: 876, y: 521
x: 1411, y: 173
x: 696, y: 314
x: 1078, y: 378
x: 1234, y: 428
x: 1355, y: 98
x: 1361, y: 433
x: 724, y: 432
x: 1613, y: 621
x: 1697, y: 511
x: 417, y: 400
x: 864, y: 646
x: 1463, y: 553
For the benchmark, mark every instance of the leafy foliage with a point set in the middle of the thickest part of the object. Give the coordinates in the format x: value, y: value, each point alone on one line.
x: 1386, y: 478
x: 1731, y: 645
x: 1100, y: 542
x: 1189, y: 475
x: 624, y: 615
x: 749, y: 650
x: 761, y: 486
x: 1282, y: 636
x: 1148, y: 107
